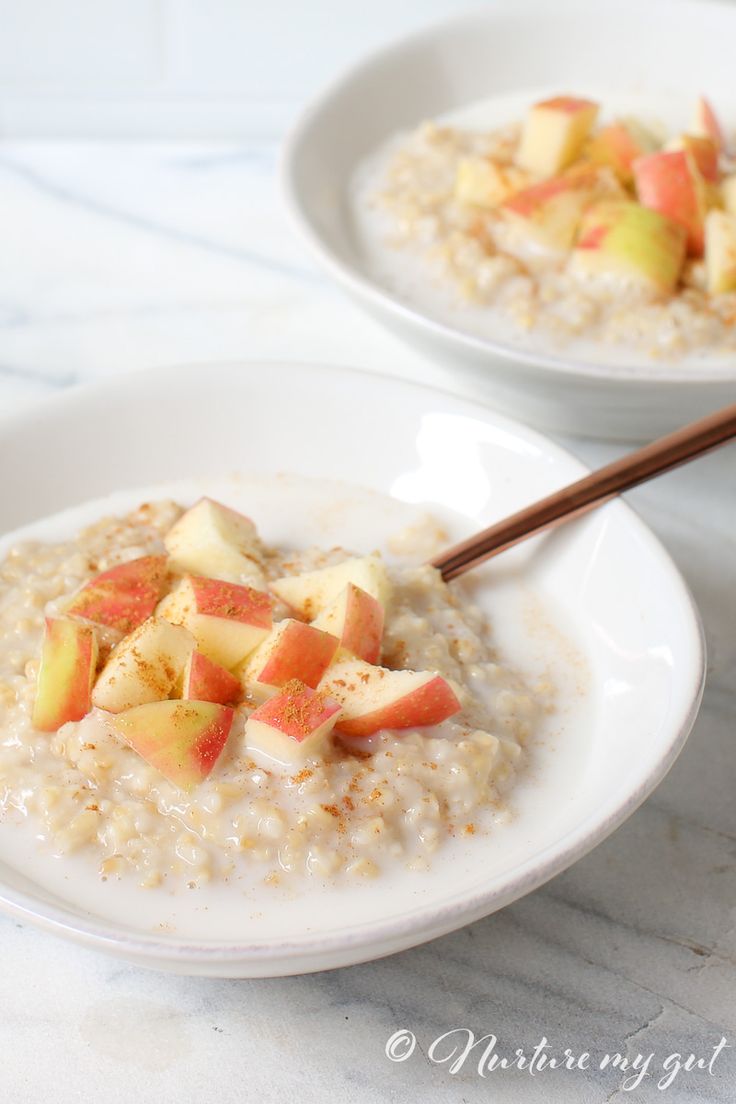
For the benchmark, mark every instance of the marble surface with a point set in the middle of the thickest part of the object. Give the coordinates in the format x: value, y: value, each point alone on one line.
x: 120, y: 256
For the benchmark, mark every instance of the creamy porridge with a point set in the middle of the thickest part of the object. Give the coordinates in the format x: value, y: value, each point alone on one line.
x: 610, y: 233
x: 180, y: 702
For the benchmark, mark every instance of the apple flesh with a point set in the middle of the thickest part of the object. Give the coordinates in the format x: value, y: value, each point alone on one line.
x: 205, y: 680
x: 554, y: 133
x: 123, y: 597
x: 227, y: 620
x: 291, y: 651
x: 720, y: 252
x: 703, y: 151
x: 705, y: 122
x: 548, y: 214
x: 308, y: 594
x: 669, y: 182
x: 66, y: 674
x: 481, y: 182
x: 182, y: 739
x: 356, y: 619
x: 728, y: 194
x: 213, y: 540
x: 144, y: 667
x: 631, y: 243
x: 619, y: 145
x: 375, y: 698
x: 293, y: 725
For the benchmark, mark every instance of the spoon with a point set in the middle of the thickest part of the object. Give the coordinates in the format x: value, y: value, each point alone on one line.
x: 593, y: 490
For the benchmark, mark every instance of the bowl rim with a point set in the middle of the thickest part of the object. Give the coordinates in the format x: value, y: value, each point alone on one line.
x: 357, y: 282
x: 423, y: 922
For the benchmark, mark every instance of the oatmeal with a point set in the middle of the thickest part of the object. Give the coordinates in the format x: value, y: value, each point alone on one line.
x: 182, y: 703
x: 612, y: 234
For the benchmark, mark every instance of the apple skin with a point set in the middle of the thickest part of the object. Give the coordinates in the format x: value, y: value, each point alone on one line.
x: 550, y: 211
x: 618, y: 146
x: 356, y: 619
x: 292, y: 725
x: 705, y: 122
x: 205, y: 680
x: 554, y: 133
x: 68, y: 666
x: 182, y: 739
x: 630, y: 241
x: 309, y: 593
x: 669, y: 182
x: 145, y: 666
x: 123, y: 597
x: 292, y: 650
x: 227, y: 620
x: 400, y: 699
x: 214, y: 541
x: 704, y: 153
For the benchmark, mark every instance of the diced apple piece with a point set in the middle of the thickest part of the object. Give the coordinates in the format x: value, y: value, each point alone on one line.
x: 549, y: 213
x: 293, y: 725
x: 66, y: 674
x: 728, y: 194
x: 669, y: 182
x: 181, y: 739
x: 144, y: 667
x: 308, y: 594
x: 123, y: 597
x: 632, y: 243
x: 356, y: 619
x: 705, y: 122
x: 703, y: 151
x: 618, y: 146
x: 720, y: 252
x: 554, y: 133
x: 291, y: 651
x: 213, y: 540
x: 481, y: 182
x: 205, y: 680
x: 374, y: 698
x: 228, y: 621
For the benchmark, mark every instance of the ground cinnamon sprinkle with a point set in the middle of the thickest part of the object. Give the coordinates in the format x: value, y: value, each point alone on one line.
x: 470, y: 829
x: 332, y: 810
x: 302, y: 776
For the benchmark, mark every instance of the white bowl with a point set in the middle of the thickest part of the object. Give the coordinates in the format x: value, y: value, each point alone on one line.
x: 600, y: 599
x: 626, y: 53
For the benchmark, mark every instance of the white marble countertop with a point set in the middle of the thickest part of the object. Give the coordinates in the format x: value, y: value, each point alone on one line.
x: 120, y: 256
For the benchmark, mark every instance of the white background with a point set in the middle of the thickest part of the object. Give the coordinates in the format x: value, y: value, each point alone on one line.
x: 203, y: 68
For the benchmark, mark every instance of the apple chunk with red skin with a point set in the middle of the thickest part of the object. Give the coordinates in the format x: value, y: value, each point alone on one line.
x: 145, y: 666
x: 205, y: 680
x: 213, y: 540
x: 631, y: 243
x: 123, y: 597
x: 705, y: 122
x: 181, y: 739
x: 66, y: 674
x: 310, y: 592
x: 554, y: 133
x: 228, y: 621
x: 374, y: 698
x: 291, y: 651
x: 618, y: 145
x: 669, y: 182
x: 356, y: 619
x: 548, y: 214
x: 293, y: 725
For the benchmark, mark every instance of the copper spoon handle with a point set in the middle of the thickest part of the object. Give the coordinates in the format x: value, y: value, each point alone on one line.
x: 591, y: 491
